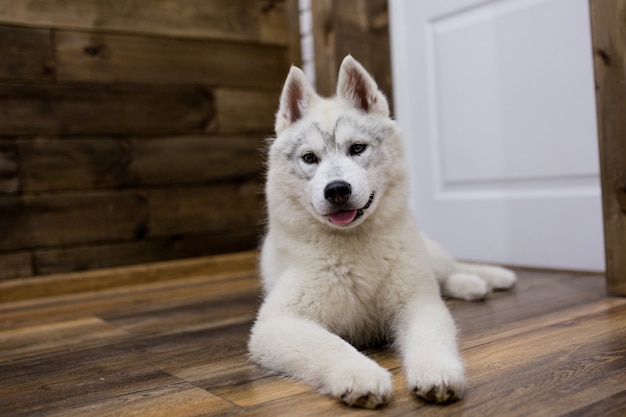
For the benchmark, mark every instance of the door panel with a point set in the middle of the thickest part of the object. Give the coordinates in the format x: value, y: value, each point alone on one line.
x: 497, y: 103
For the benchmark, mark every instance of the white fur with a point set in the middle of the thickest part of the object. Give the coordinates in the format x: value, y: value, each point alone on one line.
x: 331, y: 287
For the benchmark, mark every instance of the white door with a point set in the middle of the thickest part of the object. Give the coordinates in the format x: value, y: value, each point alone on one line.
x: 496, y: 100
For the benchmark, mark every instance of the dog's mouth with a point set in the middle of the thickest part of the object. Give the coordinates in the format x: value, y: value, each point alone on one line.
x: 345, y: 217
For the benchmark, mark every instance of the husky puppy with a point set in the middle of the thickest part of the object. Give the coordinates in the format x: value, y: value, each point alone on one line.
x: 343, y: 263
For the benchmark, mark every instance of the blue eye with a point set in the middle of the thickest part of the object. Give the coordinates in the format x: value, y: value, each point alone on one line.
x: 357, y: 148
x: 309, y: 158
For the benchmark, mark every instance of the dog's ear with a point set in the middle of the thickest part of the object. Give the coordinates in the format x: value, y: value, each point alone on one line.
x: 356, y: 86
x: 296, y: 97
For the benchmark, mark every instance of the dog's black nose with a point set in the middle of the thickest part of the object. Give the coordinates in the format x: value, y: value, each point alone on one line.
x: 337, y: 192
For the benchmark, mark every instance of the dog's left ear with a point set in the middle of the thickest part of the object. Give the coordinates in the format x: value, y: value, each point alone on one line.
x: 356, y: 86
x: 296, y: 98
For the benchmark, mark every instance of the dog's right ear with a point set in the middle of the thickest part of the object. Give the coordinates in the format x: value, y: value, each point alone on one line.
x: 356, y: 86
x: 296, y: 97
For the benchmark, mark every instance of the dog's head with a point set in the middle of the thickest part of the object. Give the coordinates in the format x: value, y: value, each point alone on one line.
x: 333, y: 159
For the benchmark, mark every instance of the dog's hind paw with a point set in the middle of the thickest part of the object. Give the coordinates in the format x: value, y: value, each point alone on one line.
x: 465, y: 286
x: 500, y: 278
x: 497, y: 277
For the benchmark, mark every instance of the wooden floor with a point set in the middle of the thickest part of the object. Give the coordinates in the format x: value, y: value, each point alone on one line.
x: 556, y: 346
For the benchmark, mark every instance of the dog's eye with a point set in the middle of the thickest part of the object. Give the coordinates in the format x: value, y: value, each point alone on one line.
x: 357, y: 148
x: 309, y: 158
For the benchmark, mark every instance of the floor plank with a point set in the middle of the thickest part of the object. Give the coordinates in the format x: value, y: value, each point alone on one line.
x: 25, y: 342
x: 128, y: 300
x: 555, y: 346
x: 177, y: 399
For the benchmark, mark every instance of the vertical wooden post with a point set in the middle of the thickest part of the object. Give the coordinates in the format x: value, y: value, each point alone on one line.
x: 608, y: 22
x: 292, y: 12
x: 356, y: 27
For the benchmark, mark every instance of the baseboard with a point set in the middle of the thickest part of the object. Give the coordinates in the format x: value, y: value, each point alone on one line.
x: 102, y: 279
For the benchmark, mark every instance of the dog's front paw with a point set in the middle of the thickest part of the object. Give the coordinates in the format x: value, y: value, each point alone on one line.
x: 438, y: 386
x: 366, y: 386
x: 440, y: 392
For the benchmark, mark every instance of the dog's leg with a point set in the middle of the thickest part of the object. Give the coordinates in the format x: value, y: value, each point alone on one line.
x: 426, y: 337
x: 466, y: 281
x: 304, y: 350
x: 454, y: 283
x: 473, y: 282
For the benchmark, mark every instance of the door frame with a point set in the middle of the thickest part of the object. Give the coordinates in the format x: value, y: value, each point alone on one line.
x: 608, y: 23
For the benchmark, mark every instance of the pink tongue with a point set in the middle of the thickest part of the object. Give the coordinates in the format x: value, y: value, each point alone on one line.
x: 342, y: 217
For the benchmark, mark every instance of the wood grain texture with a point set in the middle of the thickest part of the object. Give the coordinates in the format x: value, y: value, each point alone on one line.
x: 88, y: 109
x: 246, y: 111
x: 292, y: 11
x: 111, y: 278
x: 40, y: 339
x: 114, y: 113
x: 356, y: 27
x: 9, y: 175
x: 555, y: 346
x: 323, y: 47
x: 92, y: 383
x: 93, y: 256
x: 241, y: 20
x: 200, y: 209
x: 94, y: 57
x: 608, y: 23
x: 31, y: 221
x: 26, y: 54
x: 15, y: 265
x: 95, y: 163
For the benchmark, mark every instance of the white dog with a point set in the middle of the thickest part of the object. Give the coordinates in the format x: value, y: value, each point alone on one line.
x: 343, y: 262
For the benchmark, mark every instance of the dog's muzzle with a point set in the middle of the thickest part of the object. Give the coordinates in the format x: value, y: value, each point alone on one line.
x: 345, y: 217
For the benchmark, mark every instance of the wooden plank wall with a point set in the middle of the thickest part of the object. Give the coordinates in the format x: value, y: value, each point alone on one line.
x: 356, y: 27
x: 130, y: 131
x: 608, y: 22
